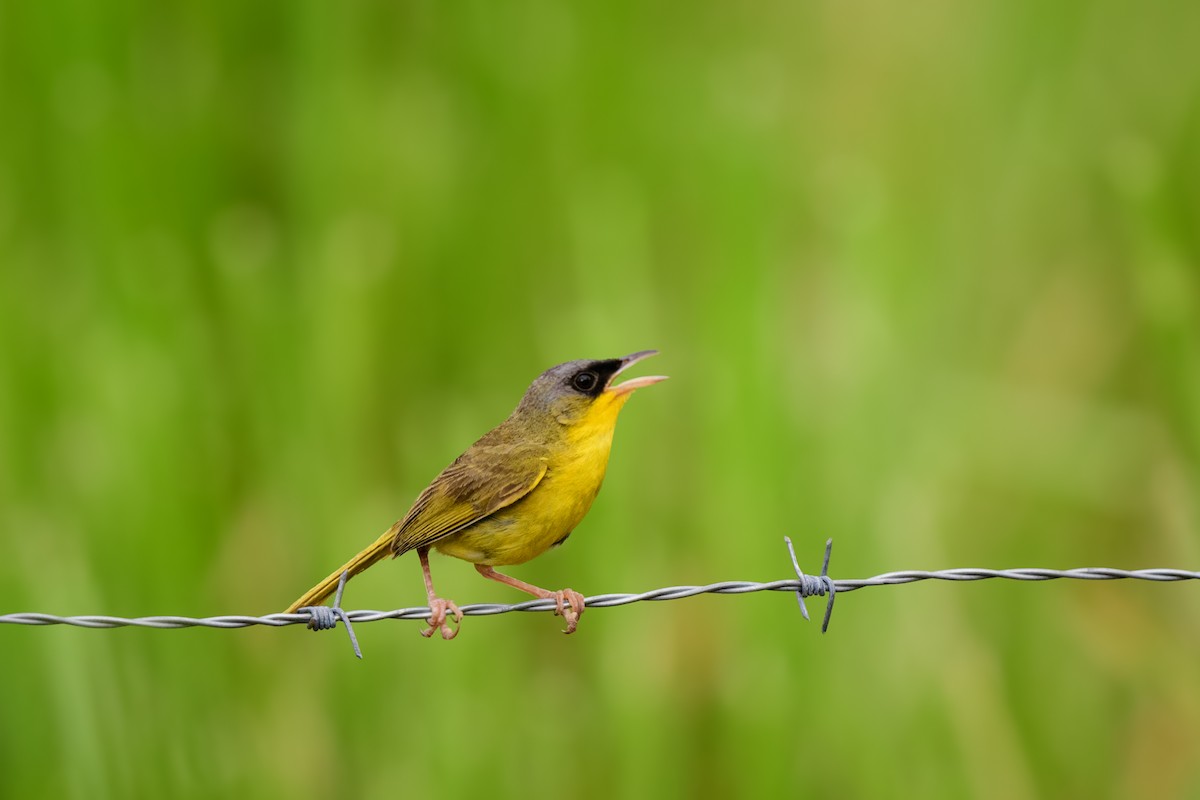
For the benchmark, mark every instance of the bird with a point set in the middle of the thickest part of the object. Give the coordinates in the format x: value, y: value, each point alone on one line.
x: 517, y: 492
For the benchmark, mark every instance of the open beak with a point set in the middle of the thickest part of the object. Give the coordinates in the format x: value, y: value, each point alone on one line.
x: 634, y: 383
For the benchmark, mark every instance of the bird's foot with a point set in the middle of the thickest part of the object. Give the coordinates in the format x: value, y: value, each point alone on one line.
x: 568, y: 604
x: 437, y: 619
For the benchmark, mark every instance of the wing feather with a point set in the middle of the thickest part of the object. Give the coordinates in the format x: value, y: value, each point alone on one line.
x: 483, y: 480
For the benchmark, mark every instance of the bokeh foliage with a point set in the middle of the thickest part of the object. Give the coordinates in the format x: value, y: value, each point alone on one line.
x: 925, y: 277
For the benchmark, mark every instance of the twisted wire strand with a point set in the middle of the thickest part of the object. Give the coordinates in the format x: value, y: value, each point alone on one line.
x: 613, y: 600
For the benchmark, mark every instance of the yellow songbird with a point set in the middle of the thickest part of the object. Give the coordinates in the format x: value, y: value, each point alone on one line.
x: 515, y: 493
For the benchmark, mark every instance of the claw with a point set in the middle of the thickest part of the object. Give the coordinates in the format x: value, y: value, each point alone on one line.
x: 437, y: 619
x: 568, y: 604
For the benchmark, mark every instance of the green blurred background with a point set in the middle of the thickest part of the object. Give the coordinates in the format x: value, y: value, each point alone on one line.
x: 924, y: 277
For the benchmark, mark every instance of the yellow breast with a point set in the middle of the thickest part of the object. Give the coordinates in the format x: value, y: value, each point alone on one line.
x: 547, y: 515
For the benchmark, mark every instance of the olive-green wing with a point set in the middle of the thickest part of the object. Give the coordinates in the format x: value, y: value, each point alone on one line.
x: 482, y: 481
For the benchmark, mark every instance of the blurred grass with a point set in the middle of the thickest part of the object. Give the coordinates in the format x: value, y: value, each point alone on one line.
x: 925, y: 279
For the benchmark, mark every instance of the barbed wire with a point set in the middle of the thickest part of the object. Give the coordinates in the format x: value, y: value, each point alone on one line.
x: 803, y: 585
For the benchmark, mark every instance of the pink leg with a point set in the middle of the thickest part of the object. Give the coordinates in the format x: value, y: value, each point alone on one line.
x: 438, y: 606
x: 568, y: 602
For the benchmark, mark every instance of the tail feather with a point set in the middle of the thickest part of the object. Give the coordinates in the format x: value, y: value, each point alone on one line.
x: 381, y: 548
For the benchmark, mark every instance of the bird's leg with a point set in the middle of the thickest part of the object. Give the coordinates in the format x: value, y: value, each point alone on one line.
x: 437, y: 606
x: 568, y: 602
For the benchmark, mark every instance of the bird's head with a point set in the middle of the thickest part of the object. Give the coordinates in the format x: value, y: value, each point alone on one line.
x: 579, y: 392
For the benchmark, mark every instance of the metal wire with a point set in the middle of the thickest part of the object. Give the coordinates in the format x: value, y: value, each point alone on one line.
x: 324, y: 618
x: 610, y: 600
x: 803, y: 585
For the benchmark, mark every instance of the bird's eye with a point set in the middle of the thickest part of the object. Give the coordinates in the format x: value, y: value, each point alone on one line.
x: 585, y: 381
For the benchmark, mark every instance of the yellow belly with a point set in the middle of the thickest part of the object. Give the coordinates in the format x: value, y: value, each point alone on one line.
x: 545, y: 516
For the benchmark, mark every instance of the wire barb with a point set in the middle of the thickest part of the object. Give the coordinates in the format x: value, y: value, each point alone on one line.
x: 324, y: 618
x: 814, y: 585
